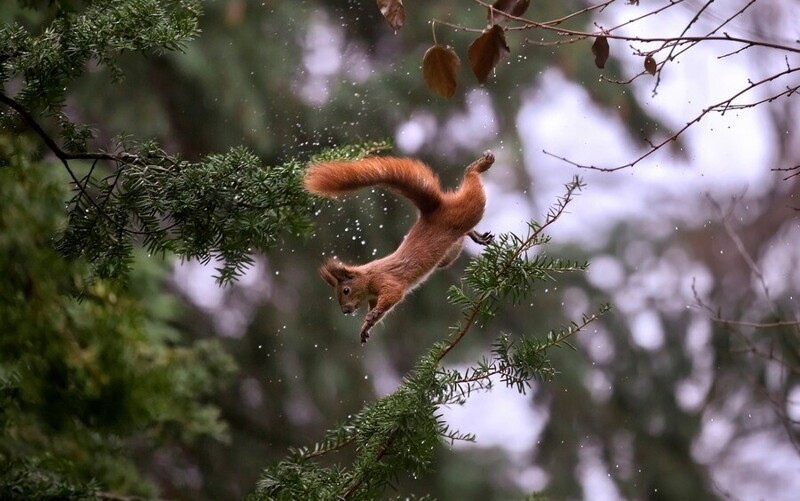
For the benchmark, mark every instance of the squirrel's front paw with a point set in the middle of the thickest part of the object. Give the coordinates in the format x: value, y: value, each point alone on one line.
x: 365, y: 330
x: 369, y: 322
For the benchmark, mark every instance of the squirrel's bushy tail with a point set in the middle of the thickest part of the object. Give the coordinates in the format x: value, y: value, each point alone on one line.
x: 408, y: 177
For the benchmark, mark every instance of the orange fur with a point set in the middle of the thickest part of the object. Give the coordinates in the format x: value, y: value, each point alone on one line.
x: 435, y: 240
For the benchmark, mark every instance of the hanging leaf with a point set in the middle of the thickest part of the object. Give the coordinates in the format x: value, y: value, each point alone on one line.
x: 486, y: 51
x: 600, y: 51
x: 650, y: 65
x: 440, y: 69
x: 394, y: 12
x: 512, y: 7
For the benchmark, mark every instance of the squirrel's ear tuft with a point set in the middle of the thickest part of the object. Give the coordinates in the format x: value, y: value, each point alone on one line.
x: 327, y: 275
x: 334, y: 271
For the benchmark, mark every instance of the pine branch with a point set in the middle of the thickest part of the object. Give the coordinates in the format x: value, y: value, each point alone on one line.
x: 58, y: 152
x: 50, y: 143
x: 222, y: 208
x: 356, y: 483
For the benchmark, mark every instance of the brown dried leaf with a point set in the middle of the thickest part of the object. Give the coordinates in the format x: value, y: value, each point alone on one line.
x: 600, y: 51
x: 440, y: 69
x: 394, y: 12
x: 512, y: 7
x: 486, y: 51
x: 650, y: 65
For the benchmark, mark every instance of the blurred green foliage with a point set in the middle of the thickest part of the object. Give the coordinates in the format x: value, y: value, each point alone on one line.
x: 93, y: 375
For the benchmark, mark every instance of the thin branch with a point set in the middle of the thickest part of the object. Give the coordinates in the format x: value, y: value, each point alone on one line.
x: 719, y: 107
x: 64, y: 158
x: 51, y: 144
x: 597, y: 7
x: 671, y: 55
x: 477, y: 377
x: 725, y: 105
x: 788, y: 92
x: 58, y: 152
x: 456, y: 27
x: 779, y: 408
x: 668, y: 42
x: 796, y: 170
x: 647, y: 14
x: 752, y: 349
x: 737, y: 241
x: 89, y: 175
x: 528, y: 23
x: 749, y: 345
x: 728, y: 20
x: 756, y: 325
x: 464, y: 328
x: 671, y: 43
x: 326, y: 450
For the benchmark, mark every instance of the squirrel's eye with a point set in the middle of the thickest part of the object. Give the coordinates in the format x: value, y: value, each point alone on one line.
x: 346, y: 291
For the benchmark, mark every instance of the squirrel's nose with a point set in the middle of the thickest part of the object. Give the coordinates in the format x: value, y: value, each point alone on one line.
x: 347, y: 310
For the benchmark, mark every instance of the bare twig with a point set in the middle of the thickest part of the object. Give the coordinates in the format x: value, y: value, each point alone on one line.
x: 671, y: 55
x: 796, y: 170
x: 719, y: 107
x: 63, y: 156
x: 737, y: 241
x: 756, y: 325
x: 609, y: 33
x: 51, y: 144
x: 456, y: 27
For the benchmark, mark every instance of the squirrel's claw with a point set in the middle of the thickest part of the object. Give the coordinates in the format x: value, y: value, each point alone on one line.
x: 481, y: 238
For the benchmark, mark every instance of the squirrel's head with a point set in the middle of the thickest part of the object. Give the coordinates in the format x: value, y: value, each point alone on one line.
x: 345, y: 280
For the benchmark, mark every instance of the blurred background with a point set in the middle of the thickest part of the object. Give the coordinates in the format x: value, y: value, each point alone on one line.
x: 681, y: 392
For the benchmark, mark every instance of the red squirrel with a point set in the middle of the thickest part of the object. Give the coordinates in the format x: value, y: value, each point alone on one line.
x: 434, y: 241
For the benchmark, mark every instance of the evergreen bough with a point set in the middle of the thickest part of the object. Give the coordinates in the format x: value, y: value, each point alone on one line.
x: 223, y: 207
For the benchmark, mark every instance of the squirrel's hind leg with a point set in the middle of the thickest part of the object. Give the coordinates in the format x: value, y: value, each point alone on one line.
x: 482, y: 164
x: 452, y: 253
